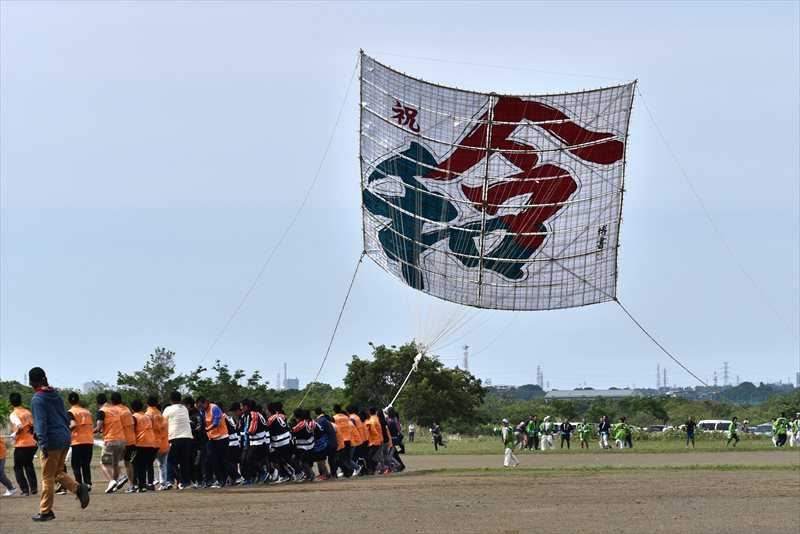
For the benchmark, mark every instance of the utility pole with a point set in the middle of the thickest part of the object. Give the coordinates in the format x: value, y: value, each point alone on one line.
x: 658, y: 377
x: 466, y: 357
x: 725, y: 376
x: 664, y: 379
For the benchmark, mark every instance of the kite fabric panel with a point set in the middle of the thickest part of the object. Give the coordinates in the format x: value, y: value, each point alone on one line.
x: 494, y: 201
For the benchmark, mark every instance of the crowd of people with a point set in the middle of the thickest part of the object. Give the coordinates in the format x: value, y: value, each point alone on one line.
x: 196, y: 443
x: 535, y: 435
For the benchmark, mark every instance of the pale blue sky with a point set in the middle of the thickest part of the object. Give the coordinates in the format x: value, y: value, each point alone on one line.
x: 152, y: 153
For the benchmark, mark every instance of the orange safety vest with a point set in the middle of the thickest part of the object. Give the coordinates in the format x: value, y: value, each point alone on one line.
x: 160, y: 428
x: 374, y: 430
x: 359, y: 433
x: 112, y: 424
x: 145, y: 437
x: 221, y: 430
x: 126, y: 417
x: 24, y: 437
x: 82, y: 431
x: 343, y: 429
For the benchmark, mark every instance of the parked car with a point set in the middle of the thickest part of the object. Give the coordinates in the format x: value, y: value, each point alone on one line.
x: 713, y: 425
x: 655, y: 428
x: 764, y: 429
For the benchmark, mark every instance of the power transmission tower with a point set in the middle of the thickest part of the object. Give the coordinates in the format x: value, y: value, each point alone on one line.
x: 664, y: 379
x: 466, y: 357
x: 725, y: 377
x: 715, y: 379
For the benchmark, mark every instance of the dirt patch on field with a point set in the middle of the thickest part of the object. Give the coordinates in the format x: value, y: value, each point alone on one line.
x: 686, y: 500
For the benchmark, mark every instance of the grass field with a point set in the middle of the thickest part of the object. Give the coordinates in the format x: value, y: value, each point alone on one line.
x: 492, y: 445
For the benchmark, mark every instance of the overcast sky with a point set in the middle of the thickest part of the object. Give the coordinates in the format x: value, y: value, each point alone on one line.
x: 152, y: 154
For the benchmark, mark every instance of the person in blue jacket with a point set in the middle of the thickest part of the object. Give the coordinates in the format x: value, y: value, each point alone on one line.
x: 51, y: 427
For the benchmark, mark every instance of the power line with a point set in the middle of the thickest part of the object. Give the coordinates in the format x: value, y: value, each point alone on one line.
x: 333, y: 334
x: 712, y: 223
x: 660, y: 346
x: 289, y: 226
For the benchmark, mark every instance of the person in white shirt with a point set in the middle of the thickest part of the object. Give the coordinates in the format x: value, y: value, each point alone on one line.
x: 412, y: 428
x: 179, y: 433
x: 507, y: 435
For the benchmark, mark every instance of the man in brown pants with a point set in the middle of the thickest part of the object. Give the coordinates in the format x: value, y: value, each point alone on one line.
x: 51, y: 426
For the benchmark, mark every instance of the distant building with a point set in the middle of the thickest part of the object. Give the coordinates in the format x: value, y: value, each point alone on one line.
x: 582, y: 394
x: 291, y: 384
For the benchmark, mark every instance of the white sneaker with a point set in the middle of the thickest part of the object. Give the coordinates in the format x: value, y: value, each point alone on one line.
x: 215, y: 486
x: 112, y: 486
x: 10, y: 493
x: 121, y: 481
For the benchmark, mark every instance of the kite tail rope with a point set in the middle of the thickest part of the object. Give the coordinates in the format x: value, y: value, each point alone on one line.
x: 333, y: 334
x: 659, y: 345
x: 417, y: 359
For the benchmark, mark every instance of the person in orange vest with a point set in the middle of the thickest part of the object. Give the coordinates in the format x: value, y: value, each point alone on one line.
x: 344, y: 436
x: 24, y: 446
x: 110, y: 425
x: 82, y: 442
x: 51, y: 427
x: 11, y: 490
x: 146, y: 447
x: 160, y: 429
x: 126, y: 419
x: 217, y: 445
x: 126, y: 416
x: 358, y: 441
x: 374, y: 442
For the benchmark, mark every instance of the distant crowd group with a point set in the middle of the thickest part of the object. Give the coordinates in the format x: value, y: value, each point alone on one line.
x: 197, y: 443
x: 535, y: 435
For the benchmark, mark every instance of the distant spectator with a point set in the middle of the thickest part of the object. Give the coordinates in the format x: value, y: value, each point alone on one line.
x: 436, y: 436
x: 690, y: 427
x: 565, y: 431
x: 412, y: 429
x: 733, y: 433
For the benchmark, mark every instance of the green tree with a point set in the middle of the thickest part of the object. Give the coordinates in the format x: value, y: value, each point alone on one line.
x: 157, y: 377
x: 228, y: 386
x: 433, y: 393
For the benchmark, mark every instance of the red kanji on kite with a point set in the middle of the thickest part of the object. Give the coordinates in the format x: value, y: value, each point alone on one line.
x: 405, y: 116
x: 550, y: 186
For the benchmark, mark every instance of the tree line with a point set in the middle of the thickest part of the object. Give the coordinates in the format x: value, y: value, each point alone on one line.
x: 453, y: 397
